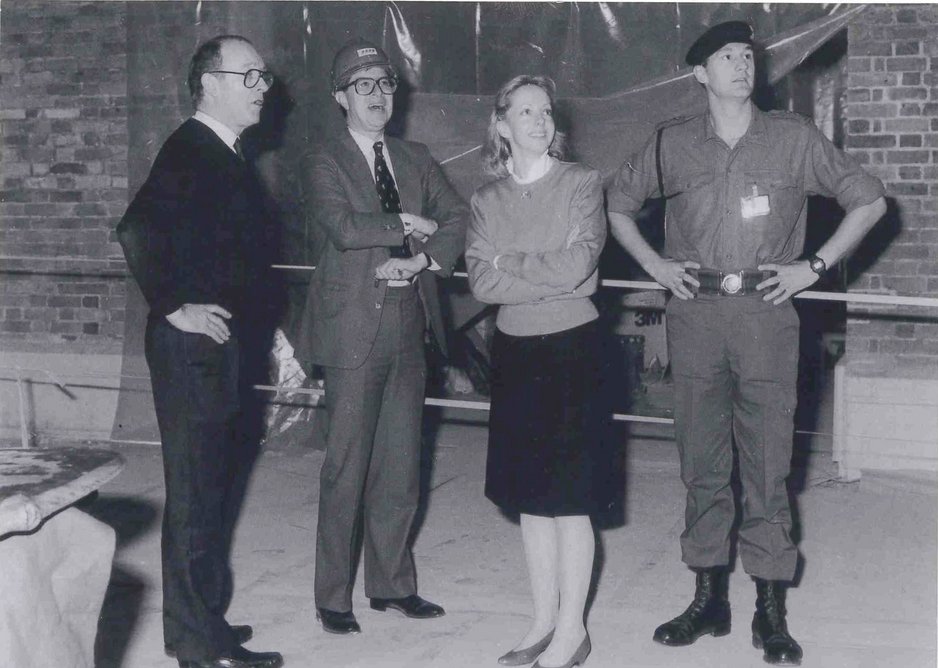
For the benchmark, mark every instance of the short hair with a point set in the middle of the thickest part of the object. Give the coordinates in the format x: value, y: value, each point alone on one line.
x: 205, y: 59
x: 496, y: 150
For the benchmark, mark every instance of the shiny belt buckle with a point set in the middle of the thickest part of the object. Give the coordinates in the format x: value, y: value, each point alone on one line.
x: 732, y: 283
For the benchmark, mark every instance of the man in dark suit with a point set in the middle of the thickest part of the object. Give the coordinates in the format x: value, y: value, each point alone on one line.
x: 391, y: 220
x: 196, y: 240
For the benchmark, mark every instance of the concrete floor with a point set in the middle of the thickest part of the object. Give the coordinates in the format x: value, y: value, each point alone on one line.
x: 866, y: 598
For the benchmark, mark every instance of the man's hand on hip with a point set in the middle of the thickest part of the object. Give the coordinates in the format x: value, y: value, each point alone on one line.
x: 207, y: 319
x: 671, y: 274
x: 789, y: 280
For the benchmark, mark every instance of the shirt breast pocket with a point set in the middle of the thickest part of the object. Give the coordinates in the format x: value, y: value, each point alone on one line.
x: 691, y: 197
x: 784, y: 195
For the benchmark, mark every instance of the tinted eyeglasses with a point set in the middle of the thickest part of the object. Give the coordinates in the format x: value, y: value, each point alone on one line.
x: 251, y: 77
x: 366, y: 85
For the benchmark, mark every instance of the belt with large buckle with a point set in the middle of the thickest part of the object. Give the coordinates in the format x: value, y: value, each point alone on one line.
x: 727, y: 283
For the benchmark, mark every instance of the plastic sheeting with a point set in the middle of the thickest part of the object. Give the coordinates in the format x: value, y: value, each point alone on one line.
x: 52, y: 591
x: 618, y: 66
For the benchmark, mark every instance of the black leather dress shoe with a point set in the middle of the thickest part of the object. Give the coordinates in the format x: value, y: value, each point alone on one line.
x: 242, y: 634
x: 239, y: 658
x: 338, y: 622
x: 412, y: 606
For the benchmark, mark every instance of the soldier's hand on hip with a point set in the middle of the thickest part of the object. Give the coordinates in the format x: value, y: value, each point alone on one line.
x: 789, y: 280
x: 671, y: 274
x: 207, y: 319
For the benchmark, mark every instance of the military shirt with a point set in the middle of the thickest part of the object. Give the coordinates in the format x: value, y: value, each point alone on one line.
x: 780, y: 160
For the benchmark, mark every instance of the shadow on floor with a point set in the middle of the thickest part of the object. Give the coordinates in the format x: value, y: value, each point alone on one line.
x: 119, y: 617
x: 131, y: 518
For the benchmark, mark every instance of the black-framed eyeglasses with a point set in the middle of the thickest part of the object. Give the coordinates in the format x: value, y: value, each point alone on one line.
x: 366, y: 85
x: 251, y: 77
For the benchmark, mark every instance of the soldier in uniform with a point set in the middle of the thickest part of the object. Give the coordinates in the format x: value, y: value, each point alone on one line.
x: 736, y: 180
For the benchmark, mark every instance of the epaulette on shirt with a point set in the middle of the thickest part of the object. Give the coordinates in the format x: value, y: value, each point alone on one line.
x: 677, y: 120
x: 781, y: 114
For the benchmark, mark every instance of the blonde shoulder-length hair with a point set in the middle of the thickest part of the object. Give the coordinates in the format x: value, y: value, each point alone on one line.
x: 496, y: 149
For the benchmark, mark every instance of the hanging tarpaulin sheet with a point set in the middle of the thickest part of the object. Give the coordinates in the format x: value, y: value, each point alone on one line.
x: 618, y: 66
x: 603, y: 130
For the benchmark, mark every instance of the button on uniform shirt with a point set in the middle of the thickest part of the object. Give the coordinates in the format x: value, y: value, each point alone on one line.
x: 782, y: 156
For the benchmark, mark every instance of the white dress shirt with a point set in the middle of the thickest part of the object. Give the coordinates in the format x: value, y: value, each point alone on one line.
x: 367, y: 146
x: 538, y: 169
x: 224, y: 133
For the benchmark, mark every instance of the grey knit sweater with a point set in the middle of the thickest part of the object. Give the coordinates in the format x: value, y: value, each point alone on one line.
x: 547, y: 236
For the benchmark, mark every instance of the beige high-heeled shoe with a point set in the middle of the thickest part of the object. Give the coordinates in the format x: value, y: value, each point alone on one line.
x: 578, y: 658
x: 522, y: 656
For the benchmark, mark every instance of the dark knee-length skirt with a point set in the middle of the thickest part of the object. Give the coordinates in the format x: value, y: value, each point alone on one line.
x: 549, y: 450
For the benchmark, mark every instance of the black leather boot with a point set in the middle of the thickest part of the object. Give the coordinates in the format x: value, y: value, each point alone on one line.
x: 709, y: 612
x: 769, y: 629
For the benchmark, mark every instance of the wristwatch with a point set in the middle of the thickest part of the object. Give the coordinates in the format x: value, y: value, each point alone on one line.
x: 818, y: 266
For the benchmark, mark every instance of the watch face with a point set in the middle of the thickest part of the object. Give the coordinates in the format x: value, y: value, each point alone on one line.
x: 817, y: 265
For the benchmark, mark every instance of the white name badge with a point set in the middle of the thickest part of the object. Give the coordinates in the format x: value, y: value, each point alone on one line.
x: 755, y: 205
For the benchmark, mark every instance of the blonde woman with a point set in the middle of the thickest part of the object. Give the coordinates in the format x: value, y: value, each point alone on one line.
x: 533, y: 245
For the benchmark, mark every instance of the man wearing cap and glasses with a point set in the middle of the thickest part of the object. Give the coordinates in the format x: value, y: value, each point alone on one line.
x: 735, y: 181
x: 391, y: 220
x: 196, y: 239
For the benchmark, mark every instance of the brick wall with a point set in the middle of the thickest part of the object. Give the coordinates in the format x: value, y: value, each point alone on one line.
x: 64, y: 171
x: 63, y: 123
x: 892, y: 128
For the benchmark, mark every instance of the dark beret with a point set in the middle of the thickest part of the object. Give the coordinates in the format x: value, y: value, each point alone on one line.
x: 716, y: 38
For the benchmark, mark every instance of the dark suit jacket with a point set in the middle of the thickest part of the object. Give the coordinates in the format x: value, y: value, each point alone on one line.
x: 197, y: 230
x: 343, y: 307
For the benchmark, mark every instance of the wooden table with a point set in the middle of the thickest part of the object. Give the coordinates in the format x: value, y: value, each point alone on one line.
x: 56, y: 477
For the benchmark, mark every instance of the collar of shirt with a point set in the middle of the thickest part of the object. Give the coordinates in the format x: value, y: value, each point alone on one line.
x: 367, y: 146
x: 757, y: 128
x: 756, y: 132
x: 223, y: 131
x: 538, y: 169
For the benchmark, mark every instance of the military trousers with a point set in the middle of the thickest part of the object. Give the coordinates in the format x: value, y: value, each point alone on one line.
x: 734, y: 362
